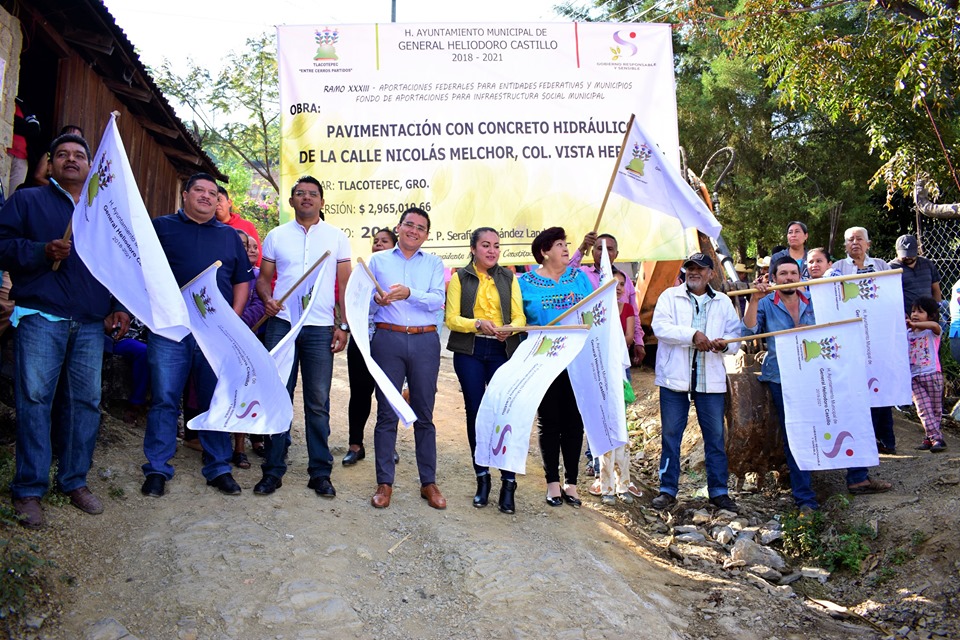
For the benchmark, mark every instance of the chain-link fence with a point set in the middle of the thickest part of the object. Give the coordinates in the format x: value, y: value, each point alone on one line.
x: 940, y: 242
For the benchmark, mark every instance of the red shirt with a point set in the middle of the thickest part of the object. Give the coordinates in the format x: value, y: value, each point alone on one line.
x: 247, y: 227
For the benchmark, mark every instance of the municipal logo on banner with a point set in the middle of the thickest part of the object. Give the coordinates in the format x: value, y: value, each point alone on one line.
x: 645, y: 177
x: 249, y: 396
x: 597, y: 373
x: 825, y: 397
x: 877, y: 299
x: 509, y: 405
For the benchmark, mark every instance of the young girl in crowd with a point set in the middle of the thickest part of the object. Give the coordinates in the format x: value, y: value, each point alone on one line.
x: 927, y: 382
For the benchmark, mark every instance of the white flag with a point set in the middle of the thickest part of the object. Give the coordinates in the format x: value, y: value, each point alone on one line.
x: 115, y: 239
x: 825, y: 397
x: 249, y: 397
x: 510, y: 402
x: 358, y: 295
x: 644, y: 176
x: 596, y: 374
x: 300, y: 306
x: 877, y: 299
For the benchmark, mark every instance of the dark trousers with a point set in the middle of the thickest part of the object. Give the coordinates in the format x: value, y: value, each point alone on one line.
x: 561, y: 430
x: 474, y: 372
x: 362, y: 387
x: 417, y: 358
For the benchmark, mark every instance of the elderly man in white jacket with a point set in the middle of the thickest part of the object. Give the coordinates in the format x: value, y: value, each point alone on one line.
x: 693, y: 323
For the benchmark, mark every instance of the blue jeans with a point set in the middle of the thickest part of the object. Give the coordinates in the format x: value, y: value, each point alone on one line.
x: 474, y: 372
x: 52, y: 421
x: 674, y: 407
x: 171, y: 363
x: 315, y: 360
x: 801, y: 482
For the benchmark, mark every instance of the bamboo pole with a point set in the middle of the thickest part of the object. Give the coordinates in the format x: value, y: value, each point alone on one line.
x: 510, y: 329
x: 782, y: 332
x: 807, y: 283
x: 372, y: 277
x: 216, y: 264
x: 613, y: 176
x: 589, y: 299
x: 296, y: 284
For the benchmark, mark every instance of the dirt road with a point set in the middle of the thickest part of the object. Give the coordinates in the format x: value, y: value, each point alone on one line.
x: 197, y: 564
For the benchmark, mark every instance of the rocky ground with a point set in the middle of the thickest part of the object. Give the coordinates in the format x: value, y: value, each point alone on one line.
x: 197, y: 564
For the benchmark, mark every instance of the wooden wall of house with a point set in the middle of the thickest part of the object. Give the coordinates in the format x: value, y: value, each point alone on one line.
x: 86, y: 101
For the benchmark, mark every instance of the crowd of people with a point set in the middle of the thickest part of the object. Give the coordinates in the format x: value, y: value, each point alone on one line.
x: 61, y: 315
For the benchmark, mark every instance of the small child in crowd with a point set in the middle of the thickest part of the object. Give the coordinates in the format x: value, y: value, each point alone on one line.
x: 927, y: 378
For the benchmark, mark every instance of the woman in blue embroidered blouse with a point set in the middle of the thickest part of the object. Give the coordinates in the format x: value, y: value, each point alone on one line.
x: 547, y: 292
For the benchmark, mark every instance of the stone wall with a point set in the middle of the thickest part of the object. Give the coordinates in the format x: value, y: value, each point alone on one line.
x: 11, y: 40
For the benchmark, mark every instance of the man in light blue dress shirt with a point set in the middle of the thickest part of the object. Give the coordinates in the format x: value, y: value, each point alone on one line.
x: 406, y: 345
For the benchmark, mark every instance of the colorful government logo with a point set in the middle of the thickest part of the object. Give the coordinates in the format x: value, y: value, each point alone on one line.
x: 326, y: 41
x: 625, y: 48
x: 99, y: 180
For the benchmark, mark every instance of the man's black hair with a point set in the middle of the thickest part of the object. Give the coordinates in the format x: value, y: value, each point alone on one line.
x: 70, y: 137
x: 309, y: 179
x: 197, y: 177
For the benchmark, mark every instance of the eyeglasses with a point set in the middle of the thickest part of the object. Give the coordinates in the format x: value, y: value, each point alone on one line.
x: 419, y: 227
x: 300, y: 193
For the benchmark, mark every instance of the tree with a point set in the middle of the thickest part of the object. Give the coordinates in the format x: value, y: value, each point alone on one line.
x: 236, y: 115
x: 889, y: 66
x: 791, y: 163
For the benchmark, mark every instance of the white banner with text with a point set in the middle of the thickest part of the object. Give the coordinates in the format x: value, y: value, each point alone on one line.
x: 512, y: 126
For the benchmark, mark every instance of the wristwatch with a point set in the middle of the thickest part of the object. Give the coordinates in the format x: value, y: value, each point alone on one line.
x: 343, y: 326
x: 477, y: 325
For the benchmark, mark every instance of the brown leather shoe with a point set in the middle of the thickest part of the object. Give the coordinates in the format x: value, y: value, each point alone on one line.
x: 381, y: 499
x: 431, y: 493
x: 84, y: 500
x: 29, y: 511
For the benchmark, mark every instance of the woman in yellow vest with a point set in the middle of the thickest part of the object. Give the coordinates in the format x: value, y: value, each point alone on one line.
x: 481, y: 296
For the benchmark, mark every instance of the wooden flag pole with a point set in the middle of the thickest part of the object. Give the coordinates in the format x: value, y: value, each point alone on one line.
x: 807, y: 283
x: 296, y: 284
x: 372, y: 277
x: 510, y: 329
x: 589, y: 299
x: 216, y: 264
x: 758, y: 336
x: 66, y: 236
x: 613, y: 176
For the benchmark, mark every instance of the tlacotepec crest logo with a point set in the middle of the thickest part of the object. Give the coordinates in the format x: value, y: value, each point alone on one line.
x: 551, y: 347
x: 827, y: 348
x: 203, y: 302
x: 326, y: 41
x: 99, y: 180
x: 625, y: 48
x: 862, y: 289
x: 641, y: 152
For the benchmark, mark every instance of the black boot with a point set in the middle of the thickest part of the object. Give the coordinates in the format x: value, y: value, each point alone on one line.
x: 483, y: 491
x: 507, y: 489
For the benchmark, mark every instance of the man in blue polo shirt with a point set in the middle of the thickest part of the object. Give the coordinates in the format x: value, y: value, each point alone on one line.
x: 60, y: 321
x: 406, y: 345
x: 192, y: 240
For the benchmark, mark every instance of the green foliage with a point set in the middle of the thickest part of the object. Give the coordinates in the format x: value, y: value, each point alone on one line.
x: 813, y: 537
x: 885, y: 574
x: 917, y: 538
x: 117, y: 493
x: 21, y: 565
x: 900, y: 556
x: 263, y: 214
x: 236, y: 111
x: 887, y: 68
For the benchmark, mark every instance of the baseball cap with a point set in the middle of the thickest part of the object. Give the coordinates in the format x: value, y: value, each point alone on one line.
x: 907, y: 247
x: 700, y: 260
